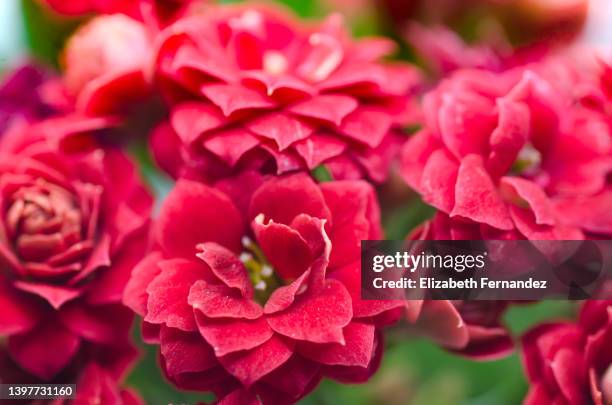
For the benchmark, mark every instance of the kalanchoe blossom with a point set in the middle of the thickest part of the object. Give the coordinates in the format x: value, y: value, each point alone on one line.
x: 21, y: 97
x: 73, y: 223
x: 253, y: 88
x: 503, y: 154
x: 570, y: 363
x: 254, y: 289
x: 104, y: 64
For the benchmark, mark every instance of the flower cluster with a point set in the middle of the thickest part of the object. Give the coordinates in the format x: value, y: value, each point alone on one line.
x: 284, y: 141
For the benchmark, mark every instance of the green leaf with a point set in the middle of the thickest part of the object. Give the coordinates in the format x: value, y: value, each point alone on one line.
x: 322, y: 174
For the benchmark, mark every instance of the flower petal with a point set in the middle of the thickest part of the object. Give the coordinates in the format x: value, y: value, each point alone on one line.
x: 476, y: 197
x: 281, y: 128
x: 220, y: 301
x: 316, y: 317
x: 185, y: 352
x: 232, y: 335
x: 194, y: 213
x: 282, y: 199
x: 45, y: 350
x: 332, y: 108
x: 169, y: 291
x: 357, y: 351
x: 251, y: 365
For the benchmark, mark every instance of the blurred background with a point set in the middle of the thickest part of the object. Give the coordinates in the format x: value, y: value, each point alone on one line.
x: 414, y: 371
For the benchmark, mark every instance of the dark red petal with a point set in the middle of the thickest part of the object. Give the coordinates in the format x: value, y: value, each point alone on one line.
x: 55, y: 295
x: 194, y: 213
x: 356, y: 352
x: 45, y: 350
x: 185, y: 352
x: 250, y: 366
x: 569, y: 370
x: 228, y: 336
x: 97, y: 386
x: 168, y: 293
x: 108, y: 324
x: 318, y: 317
x: 476, y: 197
x: 99, y: 258
x: 282, y: 199
x: 284, y: 296
x: 284, y: 247
x: 350, y: 277
x: 220, y: 301
x: 19, y: 313
x: 165, y: 146
x: 135, y: 294
x: 227, y: 267
x: 352, y: 375
x: 109, y: 286
x: 240, y: 397
x: 296, y: 377
x: 488, y: 343
x: 355, y: 217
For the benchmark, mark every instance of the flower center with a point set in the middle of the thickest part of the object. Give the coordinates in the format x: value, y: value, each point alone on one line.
x: 43, y: 221
x: 528, y: 160
x: 261, y: 273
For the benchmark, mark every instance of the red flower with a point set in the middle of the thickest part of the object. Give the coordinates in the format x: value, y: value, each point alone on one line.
x: 158, y: 12
x: 570, y: 363
x: 254, y: 88
x: 104, y: 64
x: 73, y: 222
x: 503, y: 155
x: 95, y: 382
x: 255, y: 286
